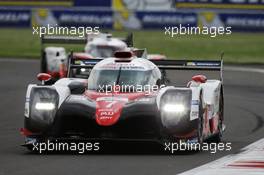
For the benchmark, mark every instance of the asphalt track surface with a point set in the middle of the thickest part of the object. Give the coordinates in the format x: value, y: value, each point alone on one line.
x: 244, y: 118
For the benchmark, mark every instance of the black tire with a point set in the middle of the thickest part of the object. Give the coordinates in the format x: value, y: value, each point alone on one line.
x: 218, y: 137
x: 200, y: 122
x: 43, y: 63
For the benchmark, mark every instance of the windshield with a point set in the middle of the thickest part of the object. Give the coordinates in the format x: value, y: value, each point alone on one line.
x: 103, y: 79
x: 102, y: 51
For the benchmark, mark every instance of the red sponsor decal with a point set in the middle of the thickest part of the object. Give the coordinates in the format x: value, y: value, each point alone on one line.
x: 108, y: 111
x: 109, y: 106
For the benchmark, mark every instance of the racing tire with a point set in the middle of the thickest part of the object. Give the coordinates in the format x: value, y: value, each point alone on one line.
x: 43, y: 63
x: 217, y: 138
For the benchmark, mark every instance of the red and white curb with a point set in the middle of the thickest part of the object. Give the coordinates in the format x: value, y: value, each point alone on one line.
x: 250, y: 161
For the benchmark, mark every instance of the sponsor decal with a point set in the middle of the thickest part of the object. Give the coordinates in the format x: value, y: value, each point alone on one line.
x: 93, y: 18
x: 194, y: 110
x: 108, y: 110
x: 112, y: 99
x: 220, y: 4
x: 195, y: 102
x: 15, y: 18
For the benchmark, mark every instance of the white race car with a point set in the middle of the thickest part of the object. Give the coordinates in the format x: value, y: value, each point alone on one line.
x: 126, y: 97
x: 103, y: 45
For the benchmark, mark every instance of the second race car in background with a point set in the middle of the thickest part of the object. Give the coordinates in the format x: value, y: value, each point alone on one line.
x: 103, y: 45
x: 54, y: 58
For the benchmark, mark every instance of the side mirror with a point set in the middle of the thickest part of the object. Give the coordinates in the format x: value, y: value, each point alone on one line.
x: 199, y: 78
x: 43, y: 77
x: 158, y: 82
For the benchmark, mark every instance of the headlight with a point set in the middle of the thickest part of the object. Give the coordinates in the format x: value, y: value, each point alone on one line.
x: 174, y: 108
x: 45, y: 106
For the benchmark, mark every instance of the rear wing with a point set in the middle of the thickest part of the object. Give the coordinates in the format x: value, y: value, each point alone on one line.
x: 53, y: 39
x: 57, y: 39
x: 80, y: 63
x: 206, y: 65
x: 203, y: 65
x: 189, y: 64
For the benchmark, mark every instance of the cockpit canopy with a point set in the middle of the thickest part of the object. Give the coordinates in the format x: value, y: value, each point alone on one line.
x: 132, y: 75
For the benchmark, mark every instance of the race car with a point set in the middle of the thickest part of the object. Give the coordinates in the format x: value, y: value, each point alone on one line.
x: 126, y: 97
x: 54, y: 62
x: 54, y: 58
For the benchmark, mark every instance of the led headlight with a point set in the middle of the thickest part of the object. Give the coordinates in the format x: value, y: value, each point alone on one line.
x: 45, y: 106
x: 174, y: 108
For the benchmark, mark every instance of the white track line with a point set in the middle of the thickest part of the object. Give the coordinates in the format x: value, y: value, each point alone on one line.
x: 248, y: 162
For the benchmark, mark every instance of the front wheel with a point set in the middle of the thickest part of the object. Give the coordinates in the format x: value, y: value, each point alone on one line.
x: 218, y: 136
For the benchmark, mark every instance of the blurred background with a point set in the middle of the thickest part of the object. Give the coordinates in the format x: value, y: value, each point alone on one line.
x: 146, y: 19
